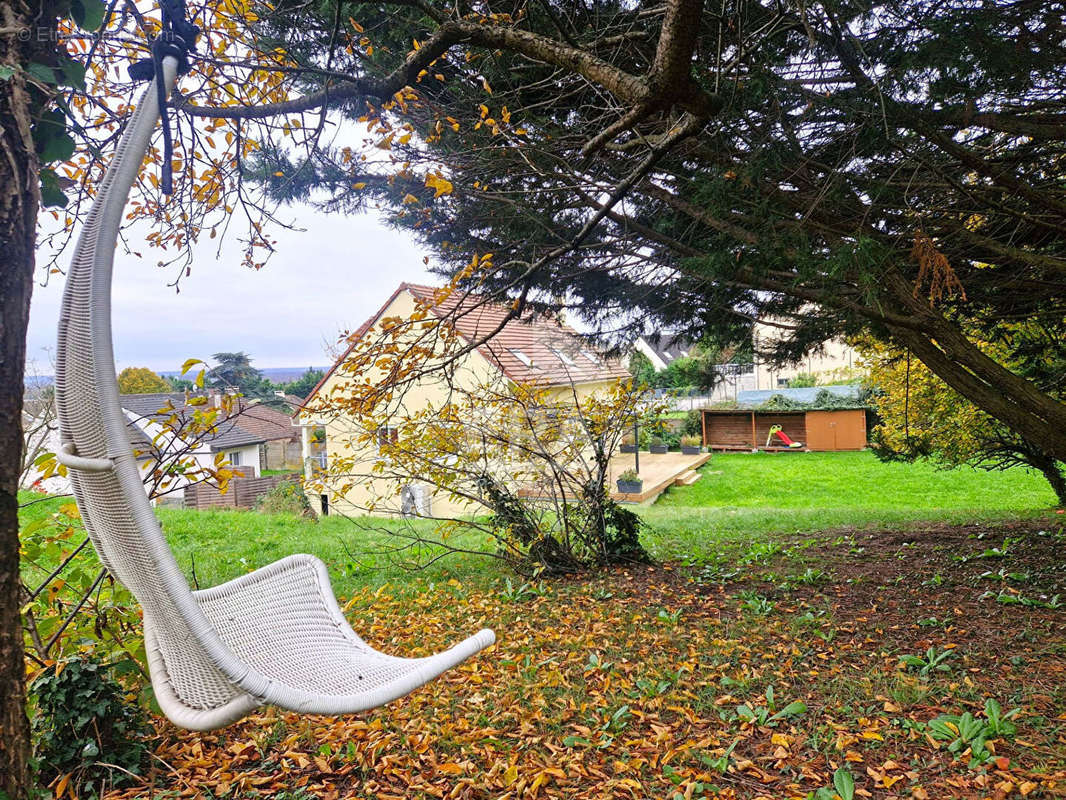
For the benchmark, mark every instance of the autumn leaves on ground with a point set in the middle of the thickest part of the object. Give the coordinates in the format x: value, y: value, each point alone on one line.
x: 924, y: 663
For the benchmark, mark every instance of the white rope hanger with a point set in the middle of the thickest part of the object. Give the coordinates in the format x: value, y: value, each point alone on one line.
x: 275, y: 636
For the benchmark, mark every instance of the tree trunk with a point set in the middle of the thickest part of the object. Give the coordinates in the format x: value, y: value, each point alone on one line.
x: 19, y: 199
x: 1053, y: 472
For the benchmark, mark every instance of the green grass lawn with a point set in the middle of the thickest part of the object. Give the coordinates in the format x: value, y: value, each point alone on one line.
x: 741, y: 498
x: 856, y: 480
x: 745, y: 495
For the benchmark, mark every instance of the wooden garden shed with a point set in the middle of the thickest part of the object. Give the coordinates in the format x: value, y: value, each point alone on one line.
x: 838, y: 429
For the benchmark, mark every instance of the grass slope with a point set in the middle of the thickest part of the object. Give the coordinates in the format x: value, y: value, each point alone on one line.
x: 741, y: 498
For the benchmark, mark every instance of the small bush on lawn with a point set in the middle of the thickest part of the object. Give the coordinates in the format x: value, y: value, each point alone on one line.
x: 84, y: 726
x: 287, y: 497
x: 693, y: 424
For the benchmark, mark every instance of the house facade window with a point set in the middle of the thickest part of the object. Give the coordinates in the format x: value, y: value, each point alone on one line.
x: 387, y: 436
x: 234, y: 458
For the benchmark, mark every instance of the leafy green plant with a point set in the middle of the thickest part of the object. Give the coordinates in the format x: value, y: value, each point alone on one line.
x: 999, y: 724
x: 288, y: 497
x: 1016, y: 598
x: 965, y: 731
x: 630, y: 476
x: 78, y: 607
x: 720, y: 763
x: 617, y: 721
x: 653, y: 688
x: 84, y: 726
x: 755, y: 603
x: 519, y: 593
x: 768, y: 716
x: 843, y: 787
x: 693, y: 790
x: 1004, y: 575
x: 761, y: 552
x: 809, y: 577
x: 802, y: 380
x: 597, y: 664
x: 929, y: 662
x: 669, y: 617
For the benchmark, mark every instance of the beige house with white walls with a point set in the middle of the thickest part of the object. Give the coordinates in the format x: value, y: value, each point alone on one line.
x: 528, y: 351
x: 834, y: 361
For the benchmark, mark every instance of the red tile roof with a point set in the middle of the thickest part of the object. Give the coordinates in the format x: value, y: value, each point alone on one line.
x: 267, y: 422
x: 529, y: 350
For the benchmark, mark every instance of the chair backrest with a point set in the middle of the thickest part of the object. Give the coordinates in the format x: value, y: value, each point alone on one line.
x: 113, y: 503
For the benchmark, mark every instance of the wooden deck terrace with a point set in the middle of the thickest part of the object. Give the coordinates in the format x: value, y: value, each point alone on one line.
x: 660, y: 471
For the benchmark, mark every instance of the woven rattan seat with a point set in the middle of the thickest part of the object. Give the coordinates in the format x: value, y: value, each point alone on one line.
x: 274, y: 636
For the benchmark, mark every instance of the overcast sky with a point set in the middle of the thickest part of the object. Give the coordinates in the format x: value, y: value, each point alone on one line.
x: 326, y: 278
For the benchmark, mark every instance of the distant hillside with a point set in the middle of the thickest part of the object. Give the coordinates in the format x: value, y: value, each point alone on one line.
x: 273, y: 374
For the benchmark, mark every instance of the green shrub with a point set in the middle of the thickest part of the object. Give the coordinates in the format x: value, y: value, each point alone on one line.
x: 803, y: 380
x: 288, y: 497
x: 84, y: 725
x: 693, y: 424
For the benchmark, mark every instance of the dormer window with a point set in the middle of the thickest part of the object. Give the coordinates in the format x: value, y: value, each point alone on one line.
x: 521, y: 356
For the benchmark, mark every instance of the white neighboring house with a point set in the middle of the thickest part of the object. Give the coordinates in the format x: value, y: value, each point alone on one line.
x: 834, y: 360
x: 153, y: 442
x: 664, y: 348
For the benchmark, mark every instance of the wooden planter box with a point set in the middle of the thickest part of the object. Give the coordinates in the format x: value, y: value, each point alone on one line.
x: 630, y: 487
x: 691, y: 450
x: 659, y: 449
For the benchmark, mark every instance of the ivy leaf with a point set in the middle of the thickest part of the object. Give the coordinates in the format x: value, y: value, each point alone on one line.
x: 51, y: 195
x: 73, y: 73
x: 58, y: 147
x: 41, y: 72
x: 89, y: 14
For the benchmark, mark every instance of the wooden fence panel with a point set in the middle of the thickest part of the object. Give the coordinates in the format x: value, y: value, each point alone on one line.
x: 241, y: 492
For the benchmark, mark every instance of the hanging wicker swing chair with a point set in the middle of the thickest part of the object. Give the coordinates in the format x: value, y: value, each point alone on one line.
x: 275, y: 636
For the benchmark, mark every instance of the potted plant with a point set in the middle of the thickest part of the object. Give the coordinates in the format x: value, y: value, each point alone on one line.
x: 628, y: 444
x: 630, y: 482
x: 658, y: 445
x: 691, y: 445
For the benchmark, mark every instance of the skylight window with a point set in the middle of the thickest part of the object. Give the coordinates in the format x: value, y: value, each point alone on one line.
x: 521, y: 356
x: 562, y: 356
x: 590, y: 356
